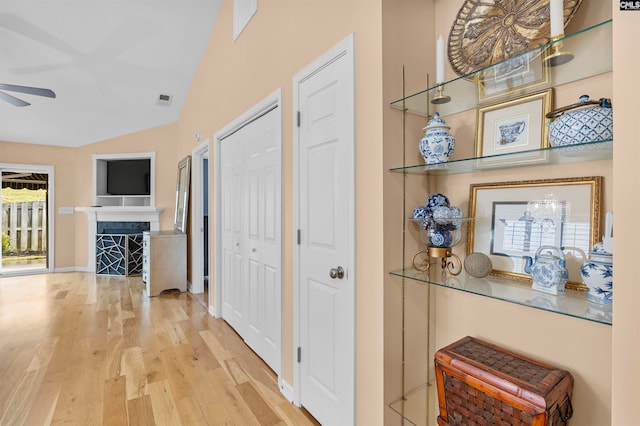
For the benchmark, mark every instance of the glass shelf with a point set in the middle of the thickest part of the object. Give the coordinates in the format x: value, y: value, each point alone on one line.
x: 413, y: 406
x: 592, y: 52
x: 574, y: 303
x: 600, y: 150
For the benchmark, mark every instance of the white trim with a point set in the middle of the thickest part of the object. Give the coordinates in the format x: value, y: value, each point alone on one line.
x: 345, y: 47
x: 197, y: 224
x: 72, y: 269
x: 285, y: 389
x: 243, y: 11
x: 51, y: 201
x: 212, y: 311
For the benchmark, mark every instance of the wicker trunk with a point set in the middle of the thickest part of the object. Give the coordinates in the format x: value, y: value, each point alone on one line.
x: 482, y: 384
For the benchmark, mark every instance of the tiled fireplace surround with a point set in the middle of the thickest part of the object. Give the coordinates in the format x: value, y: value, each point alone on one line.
x: 122, y: 220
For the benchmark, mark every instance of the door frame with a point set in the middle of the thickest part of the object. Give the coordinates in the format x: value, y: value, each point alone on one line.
x: 344, y: 48
x: 198, y: 154
x: 49, y: 171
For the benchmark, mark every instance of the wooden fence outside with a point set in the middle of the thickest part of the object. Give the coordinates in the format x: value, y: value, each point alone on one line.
x: 26, y: 225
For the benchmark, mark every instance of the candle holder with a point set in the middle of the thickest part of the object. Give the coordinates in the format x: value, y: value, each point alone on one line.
x: 440, y: 98
x: 555, y: 55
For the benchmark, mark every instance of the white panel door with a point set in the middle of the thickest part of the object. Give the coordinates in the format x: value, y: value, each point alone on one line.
x: 262, y: 239
x: 233, y: 257
x: 251, y: 233
x: 326, y: 250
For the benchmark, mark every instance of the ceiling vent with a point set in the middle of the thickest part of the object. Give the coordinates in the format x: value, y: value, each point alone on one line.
x: 164, y: 100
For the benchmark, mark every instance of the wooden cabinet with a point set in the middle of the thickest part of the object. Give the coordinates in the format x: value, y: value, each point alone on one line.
x: 164, y: 261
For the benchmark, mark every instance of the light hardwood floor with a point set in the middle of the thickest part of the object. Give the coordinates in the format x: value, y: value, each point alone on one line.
x: 86, y: 350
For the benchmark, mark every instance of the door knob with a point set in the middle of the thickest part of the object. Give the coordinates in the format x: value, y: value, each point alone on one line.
x: 336, y: 273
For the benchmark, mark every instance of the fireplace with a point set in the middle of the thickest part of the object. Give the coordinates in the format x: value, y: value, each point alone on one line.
x: 117, y: 220
x: 119, y: 248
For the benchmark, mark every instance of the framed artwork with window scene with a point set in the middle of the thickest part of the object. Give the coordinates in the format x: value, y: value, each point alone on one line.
x: 514, y: 219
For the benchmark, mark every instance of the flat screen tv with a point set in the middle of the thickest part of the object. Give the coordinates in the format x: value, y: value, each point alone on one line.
x: 128, y: 177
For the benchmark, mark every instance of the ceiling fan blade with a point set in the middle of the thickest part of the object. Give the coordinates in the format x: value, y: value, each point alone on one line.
x: 13, y: 100
x: 21, y: 26
x: 28, y: 90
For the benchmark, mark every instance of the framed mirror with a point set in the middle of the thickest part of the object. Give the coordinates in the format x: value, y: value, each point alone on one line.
x: 182, y: 195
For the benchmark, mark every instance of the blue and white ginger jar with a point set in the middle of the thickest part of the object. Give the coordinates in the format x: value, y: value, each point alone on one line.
x: 438, y: 144
x: 591, y: 122
x: 597, y: 275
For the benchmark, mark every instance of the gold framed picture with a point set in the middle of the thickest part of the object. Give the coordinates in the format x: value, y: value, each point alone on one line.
x: 514, y: 219
x: 512, y: 77
x: 515, y: 126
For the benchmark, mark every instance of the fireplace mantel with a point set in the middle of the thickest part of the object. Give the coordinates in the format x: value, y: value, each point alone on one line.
x: 123, y: 214
x: 116, y: 214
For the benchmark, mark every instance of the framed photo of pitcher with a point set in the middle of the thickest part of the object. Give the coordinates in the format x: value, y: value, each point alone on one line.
x: 513, y: 132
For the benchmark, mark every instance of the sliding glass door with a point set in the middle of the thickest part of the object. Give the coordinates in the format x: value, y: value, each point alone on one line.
x: 26, y: 224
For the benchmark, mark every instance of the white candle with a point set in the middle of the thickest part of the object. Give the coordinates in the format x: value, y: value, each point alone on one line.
x: 557, y: 17
x: 440, y: 61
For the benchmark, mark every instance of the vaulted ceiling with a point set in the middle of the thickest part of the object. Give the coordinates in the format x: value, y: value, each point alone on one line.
x: 108, y: 62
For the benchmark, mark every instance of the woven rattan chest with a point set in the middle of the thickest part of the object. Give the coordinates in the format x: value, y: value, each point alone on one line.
x: 483, y: 384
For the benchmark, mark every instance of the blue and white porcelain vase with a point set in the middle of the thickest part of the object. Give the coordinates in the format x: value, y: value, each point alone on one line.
x: 591, y: 121
x: 597, y: 275
x: 437, y: 144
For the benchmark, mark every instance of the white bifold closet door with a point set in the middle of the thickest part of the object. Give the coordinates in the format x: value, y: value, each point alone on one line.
x: 251, y: 235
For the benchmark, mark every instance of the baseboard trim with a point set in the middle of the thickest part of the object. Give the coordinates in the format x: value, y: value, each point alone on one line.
x: 212, y: 311
x: 285, y: 389
x: 72, y: 269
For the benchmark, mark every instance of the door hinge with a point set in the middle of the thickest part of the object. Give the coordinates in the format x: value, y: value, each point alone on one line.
x: 299, y: 354
x: 298, y: 118
x: 299, y: 237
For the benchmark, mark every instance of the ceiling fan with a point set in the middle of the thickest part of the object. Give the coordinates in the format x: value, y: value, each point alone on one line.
x: 48, y: 93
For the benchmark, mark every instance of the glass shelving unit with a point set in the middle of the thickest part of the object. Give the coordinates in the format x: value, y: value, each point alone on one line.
x: 573, y: 303
x: 592, y: 56
x: 591, y: 151
x: 592, y: 50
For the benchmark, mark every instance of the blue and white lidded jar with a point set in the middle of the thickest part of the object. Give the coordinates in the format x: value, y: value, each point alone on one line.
x: 438, y: 144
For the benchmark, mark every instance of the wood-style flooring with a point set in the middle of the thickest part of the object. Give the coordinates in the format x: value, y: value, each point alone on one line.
x: 80, y: 349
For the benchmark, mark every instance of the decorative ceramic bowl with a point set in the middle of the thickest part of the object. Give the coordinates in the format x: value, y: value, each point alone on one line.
x: 591, y: 122
x: 442, y: 235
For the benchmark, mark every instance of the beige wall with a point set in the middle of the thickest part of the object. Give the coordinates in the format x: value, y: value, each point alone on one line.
x: 626, y: 152
x: 409, y: 41
x: 281, y: 39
